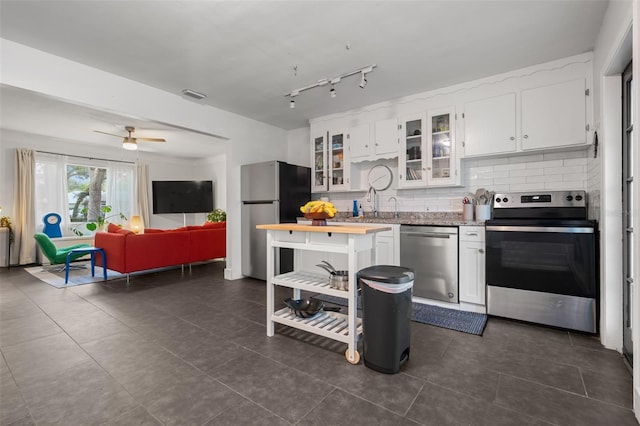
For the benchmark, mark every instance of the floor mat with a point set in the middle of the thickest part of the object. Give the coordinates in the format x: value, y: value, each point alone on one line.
x: 453, y: 319
x: 51, y: 275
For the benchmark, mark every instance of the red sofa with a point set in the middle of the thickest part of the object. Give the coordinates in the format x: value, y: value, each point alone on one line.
x: 128, y: 252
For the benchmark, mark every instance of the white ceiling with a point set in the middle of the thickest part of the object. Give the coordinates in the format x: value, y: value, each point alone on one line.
x: 242, y: 54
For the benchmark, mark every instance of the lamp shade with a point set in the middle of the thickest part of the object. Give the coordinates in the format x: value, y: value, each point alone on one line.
x: 136, y: 224
x: 130, y: 144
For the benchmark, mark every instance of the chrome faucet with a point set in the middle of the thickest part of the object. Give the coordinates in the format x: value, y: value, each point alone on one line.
x: 375, y: 200
x: 396, y: 215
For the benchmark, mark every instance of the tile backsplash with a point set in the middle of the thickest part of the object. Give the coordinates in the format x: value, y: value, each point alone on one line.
x: 567, y: 170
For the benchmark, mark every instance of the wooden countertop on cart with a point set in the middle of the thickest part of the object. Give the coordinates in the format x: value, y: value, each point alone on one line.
x: 338, y: 229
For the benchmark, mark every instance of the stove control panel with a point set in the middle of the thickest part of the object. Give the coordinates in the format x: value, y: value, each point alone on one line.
x: 540, y: 199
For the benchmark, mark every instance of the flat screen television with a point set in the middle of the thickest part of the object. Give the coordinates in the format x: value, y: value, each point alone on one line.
x: 181, y: 196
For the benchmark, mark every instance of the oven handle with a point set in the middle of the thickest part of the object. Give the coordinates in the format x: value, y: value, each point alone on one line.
x: 554, y: 229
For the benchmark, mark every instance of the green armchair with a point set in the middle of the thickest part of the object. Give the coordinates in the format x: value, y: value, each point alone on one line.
x: 56, y: 255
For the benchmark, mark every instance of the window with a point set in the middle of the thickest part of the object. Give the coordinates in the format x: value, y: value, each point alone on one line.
x: 78, y: 188
x: 85, y: 192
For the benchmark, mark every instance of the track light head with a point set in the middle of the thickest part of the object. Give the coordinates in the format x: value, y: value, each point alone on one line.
x: 292, y: 104
x: 363, y: 81
x: 332, y: 92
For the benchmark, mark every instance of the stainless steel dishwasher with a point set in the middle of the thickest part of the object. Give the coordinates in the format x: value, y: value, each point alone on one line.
x: 432, y: 252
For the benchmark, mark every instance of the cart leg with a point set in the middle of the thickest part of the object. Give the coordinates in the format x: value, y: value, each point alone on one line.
x: 270, y: 290
x: 352, y: 353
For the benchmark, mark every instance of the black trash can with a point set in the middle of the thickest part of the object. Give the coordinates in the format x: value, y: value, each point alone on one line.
x: 386, y: 316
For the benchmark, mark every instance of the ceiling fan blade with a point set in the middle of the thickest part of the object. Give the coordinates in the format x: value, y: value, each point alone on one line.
x: 110, y: 134
x: 151, y: 139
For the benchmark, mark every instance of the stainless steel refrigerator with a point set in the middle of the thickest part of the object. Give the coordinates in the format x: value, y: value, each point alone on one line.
x: 271, y: 192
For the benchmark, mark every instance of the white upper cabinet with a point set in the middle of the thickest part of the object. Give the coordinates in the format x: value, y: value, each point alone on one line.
x: 320, y: 174
x: 374, y: 142
x: 554, y: 115
x: 338, y: 161
x: 386, y: 138
x: 441, y: 151
x: 359, y: 142
x: 412, y: 163
x: 490, y: 126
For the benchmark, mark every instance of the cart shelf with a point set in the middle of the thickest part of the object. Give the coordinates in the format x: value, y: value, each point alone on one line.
x: 332, y: 325
x: 309, y: 281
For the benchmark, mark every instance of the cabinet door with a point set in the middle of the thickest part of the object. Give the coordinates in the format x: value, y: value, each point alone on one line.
x: 386, y: 138
x: 319, y: 178
x: 359, y: 142
x: 554, y: 116
x: 472, y: 272
x: 490, y: 126
x: 412, y: 163
x: 441, y: 147
x: 338, y: 161
x: 385, y: 251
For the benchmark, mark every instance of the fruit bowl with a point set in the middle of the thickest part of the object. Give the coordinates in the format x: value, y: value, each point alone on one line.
x: 318, y: 218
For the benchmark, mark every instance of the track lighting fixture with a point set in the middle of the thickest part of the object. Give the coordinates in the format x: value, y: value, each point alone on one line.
x: 333, y: 81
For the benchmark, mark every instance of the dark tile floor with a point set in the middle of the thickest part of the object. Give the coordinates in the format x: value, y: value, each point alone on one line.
x: 191, y: 349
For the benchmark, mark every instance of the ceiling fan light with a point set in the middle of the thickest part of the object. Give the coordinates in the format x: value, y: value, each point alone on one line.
x: 129, y: 144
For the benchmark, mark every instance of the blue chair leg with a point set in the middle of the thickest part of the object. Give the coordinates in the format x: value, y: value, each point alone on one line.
x: 104, y: 264
x: 93, y: 263
x: 66, y: 269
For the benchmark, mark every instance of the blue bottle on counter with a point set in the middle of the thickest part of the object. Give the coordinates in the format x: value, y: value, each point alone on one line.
x: 355, y: 208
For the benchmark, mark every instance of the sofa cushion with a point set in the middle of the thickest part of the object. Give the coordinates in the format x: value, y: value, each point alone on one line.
x: 153, y: 231
x: 124, y: 231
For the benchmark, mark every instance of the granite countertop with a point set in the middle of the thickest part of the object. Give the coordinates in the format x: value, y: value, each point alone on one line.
x: 410, y: 218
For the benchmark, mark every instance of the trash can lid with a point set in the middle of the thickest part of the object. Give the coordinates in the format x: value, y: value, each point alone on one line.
x: 387, y: 274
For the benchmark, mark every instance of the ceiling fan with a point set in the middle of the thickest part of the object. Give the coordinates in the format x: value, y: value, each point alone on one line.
x: 129, y: 142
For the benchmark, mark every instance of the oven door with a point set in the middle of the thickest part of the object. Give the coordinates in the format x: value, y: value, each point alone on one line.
x: 546, y: 259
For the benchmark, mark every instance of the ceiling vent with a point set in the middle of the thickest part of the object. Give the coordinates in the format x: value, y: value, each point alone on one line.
x: 193, y: 94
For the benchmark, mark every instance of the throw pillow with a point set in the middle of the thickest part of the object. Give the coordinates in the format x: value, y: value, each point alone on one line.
x: 124, y: 231
x: 113, y: 227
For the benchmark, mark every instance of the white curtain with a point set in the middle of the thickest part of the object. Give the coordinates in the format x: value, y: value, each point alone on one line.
x: 120, y: 189
x: 142, y: 196
x: 51, y: 189
x: 25, y: 244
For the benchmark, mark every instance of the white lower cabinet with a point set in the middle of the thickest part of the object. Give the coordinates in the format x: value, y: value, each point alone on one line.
x: 471, y: 262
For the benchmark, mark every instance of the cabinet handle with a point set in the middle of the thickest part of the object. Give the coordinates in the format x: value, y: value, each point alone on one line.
x: 480, y: 250
x: 366, y: 146
x: 526, y: 136
x: 472, y: 233
x: 512, y: 138
x: 377, y: 144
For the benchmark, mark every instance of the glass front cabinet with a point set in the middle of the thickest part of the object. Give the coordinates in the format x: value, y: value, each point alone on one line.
x: 441, y: 126
x: 320, y: 175
x: 412, y: 161
x: 338, y: 161
x: 329, y: 160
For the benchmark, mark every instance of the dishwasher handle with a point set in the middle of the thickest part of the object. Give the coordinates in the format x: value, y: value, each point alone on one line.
x: 426, y: 235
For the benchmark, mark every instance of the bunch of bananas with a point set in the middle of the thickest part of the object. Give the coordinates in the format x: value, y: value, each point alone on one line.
x: 319, y: 206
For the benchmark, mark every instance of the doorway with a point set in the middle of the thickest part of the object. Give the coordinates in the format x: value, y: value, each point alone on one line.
x: 627, y: 218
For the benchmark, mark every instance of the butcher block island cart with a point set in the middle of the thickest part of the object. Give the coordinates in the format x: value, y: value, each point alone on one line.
x: 341, y: 239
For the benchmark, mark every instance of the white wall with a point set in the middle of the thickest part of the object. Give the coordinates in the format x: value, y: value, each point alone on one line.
x: 298, y: 147
x: 248, y: 140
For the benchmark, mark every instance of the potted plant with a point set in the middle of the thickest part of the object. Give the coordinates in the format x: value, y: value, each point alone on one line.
x: 5, y: 222
x: 101, y: 220
x: 218, y: 215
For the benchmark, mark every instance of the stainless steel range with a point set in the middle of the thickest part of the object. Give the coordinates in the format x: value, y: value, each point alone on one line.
x: 541, y: 260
